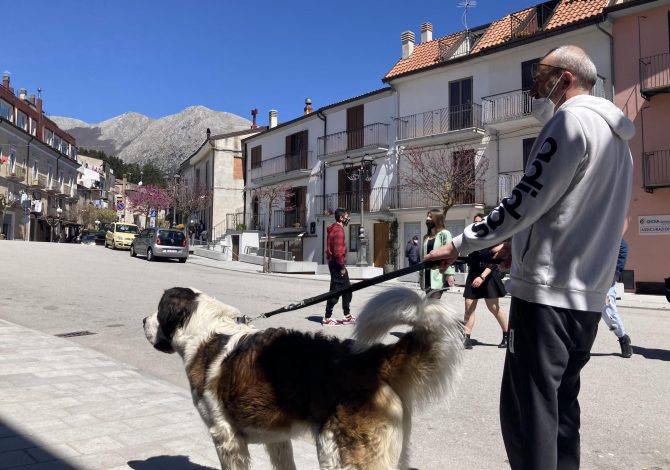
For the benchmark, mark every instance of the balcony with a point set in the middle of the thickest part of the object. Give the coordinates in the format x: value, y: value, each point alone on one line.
x: 375, y: 200
x: 18, y: 173
x: 656, y: 168
x: 64, y: 190
x: 289, y: 219
x: 507, y: 182
x: 282, y: 167
x: 373, y: 136
x: 392, y: 198
x: 655, y: 75
x: 513, y: 109
x: 442, y: 125
x: 38, y: 182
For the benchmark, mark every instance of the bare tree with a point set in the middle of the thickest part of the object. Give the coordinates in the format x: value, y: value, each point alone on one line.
x: 447, y: 175
x: 272, y: 196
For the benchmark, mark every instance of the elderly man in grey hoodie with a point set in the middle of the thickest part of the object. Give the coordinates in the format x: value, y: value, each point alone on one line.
x: 565, y: 221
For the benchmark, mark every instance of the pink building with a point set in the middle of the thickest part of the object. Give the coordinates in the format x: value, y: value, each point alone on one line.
x: 641, y: 53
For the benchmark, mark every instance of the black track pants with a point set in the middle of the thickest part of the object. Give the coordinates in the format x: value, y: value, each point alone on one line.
x: 337, y: 282
x: 539, y: 410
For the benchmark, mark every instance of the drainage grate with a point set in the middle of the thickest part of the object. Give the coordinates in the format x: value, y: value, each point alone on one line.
x: 75, y: 333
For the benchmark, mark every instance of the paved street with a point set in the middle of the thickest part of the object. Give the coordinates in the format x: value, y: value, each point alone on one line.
x: 107, y: 400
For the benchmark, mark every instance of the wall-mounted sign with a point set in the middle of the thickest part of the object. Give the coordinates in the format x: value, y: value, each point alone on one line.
x: 654, y: 224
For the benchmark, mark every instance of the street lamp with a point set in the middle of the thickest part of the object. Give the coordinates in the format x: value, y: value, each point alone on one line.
x: 175, y: 181
x: 361, y: 173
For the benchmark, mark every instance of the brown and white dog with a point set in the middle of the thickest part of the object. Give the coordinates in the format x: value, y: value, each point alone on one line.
x: 354, y: 396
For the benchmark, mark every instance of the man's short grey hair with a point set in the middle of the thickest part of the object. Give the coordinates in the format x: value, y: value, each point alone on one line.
x: 576, y: 61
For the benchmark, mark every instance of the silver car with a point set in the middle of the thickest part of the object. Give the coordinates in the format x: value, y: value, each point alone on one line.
x: 160, y: 243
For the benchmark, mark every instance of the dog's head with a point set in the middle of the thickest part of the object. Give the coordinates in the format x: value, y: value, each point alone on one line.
x: 185, y: 313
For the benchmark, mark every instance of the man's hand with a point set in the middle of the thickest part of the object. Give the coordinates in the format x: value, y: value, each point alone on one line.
x: 476, y: 282
x: 503, y: 252
x: 447, y: 255
x: 343, y: 271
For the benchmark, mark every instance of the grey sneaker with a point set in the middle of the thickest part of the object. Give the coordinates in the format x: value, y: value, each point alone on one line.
x: 626, y: 349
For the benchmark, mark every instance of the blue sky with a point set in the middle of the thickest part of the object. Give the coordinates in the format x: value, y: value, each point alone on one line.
x: 96, y: 59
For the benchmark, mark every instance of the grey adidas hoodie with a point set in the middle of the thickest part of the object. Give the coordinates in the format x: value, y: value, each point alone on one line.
x: 566, y: 215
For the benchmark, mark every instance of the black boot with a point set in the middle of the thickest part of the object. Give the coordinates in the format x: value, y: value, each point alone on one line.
x: 503, y: 343
x: 626, y: 349
x: 468, y: 342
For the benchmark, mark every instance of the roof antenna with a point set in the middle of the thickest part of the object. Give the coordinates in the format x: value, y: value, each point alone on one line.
x: 466, y: 4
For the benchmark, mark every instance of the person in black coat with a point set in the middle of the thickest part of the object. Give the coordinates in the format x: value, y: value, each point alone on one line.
x: 412, y: 251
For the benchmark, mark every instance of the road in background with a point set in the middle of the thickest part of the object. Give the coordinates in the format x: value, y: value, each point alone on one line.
x: 61, y: 288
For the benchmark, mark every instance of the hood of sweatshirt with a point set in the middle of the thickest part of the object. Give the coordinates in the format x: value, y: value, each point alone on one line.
x: 620, y: 124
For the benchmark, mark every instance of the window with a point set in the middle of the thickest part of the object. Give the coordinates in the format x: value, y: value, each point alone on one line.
x: 21, y: 120
x: 12, y: 158
x: 527, y: 146
x: 33, y: 127
x: 48, y: 136
x: 355, y: 124
x: 6, y: 111
x: 56, y: 142
x: 35, y: 171
x: 50, y: 176
x: 460, y: 104
x: 354, y: 241
x: 464, y: 171
x: 256, y: 156
x: 296, y: 151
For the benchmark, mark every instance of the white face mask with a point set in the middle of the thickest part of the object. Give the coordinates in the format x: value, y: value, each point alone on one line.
x: 543, y: 109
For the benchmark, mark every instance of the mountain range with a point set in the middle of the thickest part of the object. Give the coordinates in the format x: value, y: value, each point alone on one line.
x: 164, y: 142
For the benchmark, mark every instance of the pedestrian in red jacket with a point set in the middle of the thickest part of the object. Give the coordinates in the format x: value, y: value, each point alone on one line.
x: 336, y: 251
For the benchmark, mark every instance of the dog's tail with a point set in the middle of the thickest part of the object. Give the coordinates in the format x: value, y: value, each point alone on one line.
x: 426, y: 361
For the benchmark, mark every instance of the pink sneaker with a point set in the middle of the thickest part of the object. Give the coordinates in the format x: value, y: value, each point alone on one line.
x: 330, y: 322
x: 349, y: 320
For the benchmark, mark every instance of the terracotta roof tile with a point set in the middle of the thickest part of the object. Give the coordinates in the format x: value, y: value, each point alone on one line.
x: 501, y: 31
x: 424, y: 55
x: 572, y: 11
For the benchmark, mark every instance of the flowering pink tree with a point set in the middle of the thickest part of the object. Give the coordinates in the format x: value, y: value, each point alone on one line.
x: 272, y: 196
x: 188, y: 198
x: 148, y: 197
x: 447, y: 175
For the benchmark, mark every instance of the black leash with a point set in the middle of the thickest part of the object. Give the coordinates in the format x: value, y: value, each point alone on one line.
x: 353, y: 288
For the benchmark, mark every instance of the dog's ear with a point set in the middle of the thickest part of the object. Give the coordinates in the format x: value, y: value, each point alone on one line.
x: 175, y: 309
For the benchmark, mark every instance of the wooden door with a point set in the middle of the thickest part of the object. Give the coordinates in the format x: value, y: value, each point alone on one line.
x: 355, y: 120
x: 236, y: 247
x: 380, y: 246
x: 527, y: 84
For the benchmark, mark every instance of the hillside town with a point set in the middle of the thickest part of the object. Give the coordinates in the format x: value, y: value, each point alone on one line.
x: 439, y: 100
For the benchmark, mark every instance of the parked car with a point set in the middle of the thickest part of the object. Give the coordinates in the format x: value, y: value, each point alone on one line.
x: 100, y: 237
x: 120, y: 235
x: 157, y: 243
x: 88, y: 239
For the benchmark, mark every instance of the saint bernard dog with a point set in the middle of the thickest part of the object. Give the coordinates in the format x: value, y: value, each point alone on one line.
x: 354, y: 396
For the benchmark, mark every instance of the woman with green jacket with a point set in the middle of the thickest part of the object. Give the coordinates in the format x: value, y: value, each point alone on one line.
x: 433, y: 281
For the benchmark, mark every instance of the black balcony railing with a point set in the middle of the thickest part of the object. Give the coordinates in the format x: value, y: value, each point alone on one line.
x: 375, y: 200
x: 655, y: 74
x: 289, y: 218
x: 506, y: 106
x: 282, y: 164
x: 394, y: 197
x: 373, y: 135
x: 440, y: 121
x: 656, y: 167
x: 518, y: 104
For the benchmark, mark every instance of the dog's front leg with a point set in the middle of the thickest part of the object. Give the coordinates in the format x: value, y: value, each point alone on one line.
x: 281, y: 455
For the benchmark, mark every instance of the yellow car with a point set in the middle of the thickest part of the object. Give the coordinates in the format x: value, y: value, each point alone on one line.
x: 121, y: 235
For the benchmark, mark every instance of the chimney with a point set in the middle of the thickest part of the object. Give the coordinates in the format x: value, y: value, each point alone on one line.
x: 254, y: 113
x: 32, y: 99
x: 426, y: 32
x: 273, y: 118
x: 22, y: 94
x: 407, y: 39
x: 5, y: 80
x: 308, y: 106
